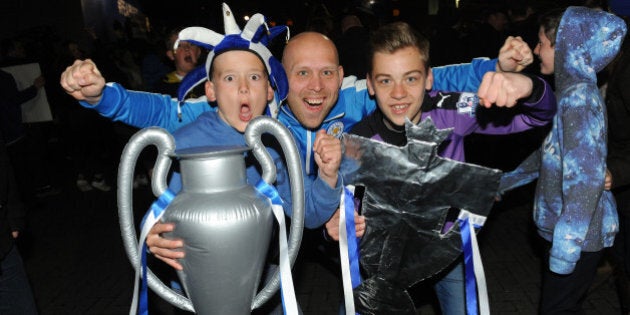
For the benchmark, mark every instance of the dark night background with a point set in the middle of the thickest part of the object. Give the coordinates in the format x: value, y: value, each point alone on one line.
x: 69, y: 18
x: 119, y: 33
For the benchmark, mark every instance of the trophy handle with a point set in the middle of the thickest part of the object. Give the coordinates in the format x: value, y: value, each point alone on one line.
x: 166, y: 148
x: 253, y: 133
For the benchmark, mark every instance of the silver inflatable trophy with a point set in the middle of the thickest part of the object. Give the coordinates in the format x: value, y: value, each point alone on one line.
x: 226, y: 225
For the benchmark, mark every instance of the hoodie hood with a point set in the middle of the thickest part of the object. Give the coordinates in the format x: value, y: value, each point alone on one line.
x: 586, y: 41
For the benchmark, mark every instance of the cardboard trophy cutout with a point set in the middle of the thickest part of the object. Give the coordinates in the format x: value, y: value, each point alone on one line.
x: 408, y: 193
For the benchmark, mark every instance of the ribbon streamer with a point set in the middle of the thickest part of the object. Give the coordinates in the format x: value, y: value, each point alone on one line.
x: 150, y: 218
x: 348, y: 248
x: 289, y: 301
x: 476, y: 289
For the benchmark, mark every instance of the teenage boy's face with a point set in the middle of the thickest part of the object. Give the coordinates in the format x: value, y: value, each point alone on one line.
x: 545, y: 52
x: 240, y: 86
x: 398, y: 81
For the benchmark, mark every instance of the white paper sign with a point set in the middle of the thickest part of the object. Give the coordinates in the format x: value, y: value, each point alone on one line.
x: 36, y: 109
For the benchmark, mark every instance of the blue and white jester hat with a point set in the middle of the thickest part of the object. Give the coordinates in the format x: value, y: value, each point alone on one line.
x: 255, y: 37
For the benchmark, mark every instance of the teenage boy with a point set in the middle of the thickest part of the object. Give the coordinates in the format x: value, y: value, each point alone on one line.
x: 401, y: 81
x: 573, y: 212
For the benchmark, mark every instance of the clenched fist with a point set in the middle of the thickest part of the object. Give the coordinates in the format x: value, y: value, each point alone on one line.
x: 327, y: 151
x: 514, y: 55
x: 504, y: 89
x: 83, y: 81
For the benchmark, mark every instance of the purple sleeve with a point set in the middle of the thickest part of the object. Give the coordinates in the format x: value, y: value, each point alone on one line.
x: 536, y: 111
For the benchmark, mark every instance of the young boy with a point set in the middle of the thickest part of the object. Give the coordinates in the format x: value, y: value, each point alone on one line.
x: 573, y: 212
x: 240, y: 78
x: 399, y: 77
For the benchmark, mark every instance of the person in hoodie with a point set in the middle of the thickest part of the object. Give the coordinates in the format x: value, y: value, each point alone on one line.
x: 573, y: 212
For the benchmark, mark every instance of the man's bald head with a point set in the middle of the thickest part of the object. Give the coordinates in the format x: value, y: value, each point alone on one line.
x: 305, y: 40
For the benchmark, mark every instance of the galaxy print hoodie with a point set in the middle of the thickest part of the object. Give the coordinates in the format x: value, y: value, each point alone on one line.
x: 571, y: 208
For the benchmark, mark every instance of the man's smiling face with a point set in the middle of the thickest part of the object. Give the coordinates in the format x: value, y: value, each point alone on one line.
x: 315, y: 77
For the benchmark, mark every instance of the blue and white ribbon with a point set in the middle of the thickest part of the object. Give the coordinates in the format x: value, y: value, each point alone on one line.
x: 348, y: 248
x: 289, y: 301
x: 150, y: 218
x: 476, y: 289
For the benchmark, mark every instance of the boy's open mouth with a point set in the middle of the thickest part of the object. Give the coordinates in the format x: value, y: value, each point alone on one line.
x: 246, y: 113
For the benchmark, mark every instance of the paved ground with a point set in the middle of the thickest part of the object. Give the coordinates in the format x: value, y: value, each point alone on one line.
x: 76, y: 262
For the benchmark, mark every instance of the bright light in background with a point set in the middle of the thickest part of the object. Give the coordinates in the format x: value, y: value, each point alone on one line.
x: 368, y: 3
x: 457, y: 3
x: 246, y: 17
